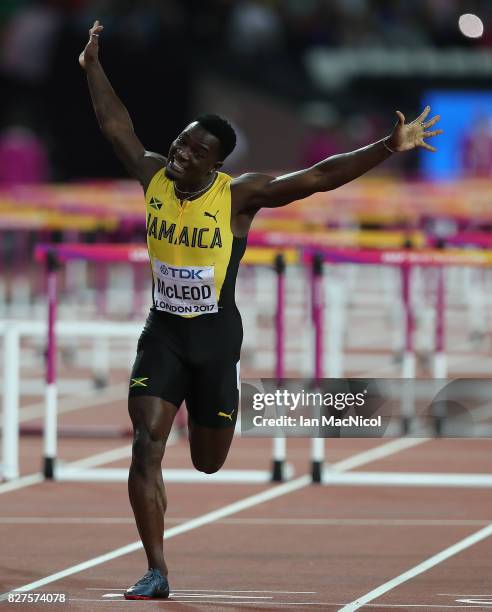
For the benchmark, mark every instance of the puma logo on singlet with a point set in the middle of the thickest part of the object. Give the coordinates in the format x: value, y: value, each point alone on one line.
x: 225, y: 415
x: 214, y: 217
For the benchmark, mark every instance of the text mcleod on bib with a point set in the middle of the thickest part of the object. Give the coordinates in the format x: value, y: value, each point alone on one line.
x: 184, y: 289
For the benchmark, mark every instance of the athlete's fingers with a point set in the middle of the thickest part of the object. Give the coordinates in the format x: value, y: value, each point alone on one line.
x: 424, y: 145
x: 401, y: 117
x: 96, y: 29
x: 434, y: 133
x: 423, y: 114
x: 432, y: 121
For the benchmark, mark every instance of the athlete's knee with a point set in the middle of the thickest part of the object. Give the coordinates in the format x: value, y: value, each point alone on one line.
x: 208, y: 465
x: 147, y: 453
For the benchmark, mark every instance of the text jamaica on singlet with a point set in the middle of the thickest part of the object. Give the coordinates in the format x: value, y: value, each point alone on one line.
x: 200, y: 237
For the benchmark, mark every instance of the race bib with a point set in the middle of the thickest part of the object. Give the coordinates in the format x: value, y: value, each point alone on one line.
x: 184, y: 289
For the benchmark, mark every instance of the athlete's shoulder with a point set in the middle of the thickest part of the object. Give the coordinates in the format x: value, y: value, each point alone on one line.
x: 158, y: 182
x: 223, y: 178
x: 222, y: 186
x: 246, y: 189
x: 151, y: 164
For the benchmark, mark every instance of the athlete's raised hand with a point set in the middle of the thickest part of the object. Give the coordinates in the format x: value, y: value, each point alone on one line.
x: 90, y: 54
x: 407, y: 136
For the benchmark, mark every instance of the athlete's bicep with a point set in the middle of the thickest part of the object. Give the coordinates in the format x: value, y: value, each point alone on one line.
x: 260, y: 190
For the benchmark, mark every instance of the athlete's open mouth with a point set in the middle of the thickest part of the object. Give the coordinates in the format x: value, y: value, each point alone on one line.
x: 176, y: 166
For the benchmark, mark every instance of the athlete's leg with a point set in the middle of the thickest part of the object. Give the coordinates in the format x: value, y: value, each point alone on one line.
x: 152, y: 419
x: 213, y: 397
x: 209, y: 446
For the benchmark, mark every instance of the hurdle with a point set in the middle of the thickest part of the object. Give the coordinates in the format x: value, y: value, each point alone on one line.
x: 317, y: 306
x: 279, y: 443
x: 12, y: 332
x: 406, y: 260
x: 53, y: 256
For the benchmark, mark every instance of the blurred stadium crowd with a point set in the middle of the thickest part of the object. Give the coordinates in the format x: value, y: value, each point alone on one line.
x: 154, y: 50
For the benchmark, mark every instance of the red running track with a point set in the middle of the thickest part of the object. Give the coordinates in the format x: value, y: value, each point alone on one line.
x: 314, y: 547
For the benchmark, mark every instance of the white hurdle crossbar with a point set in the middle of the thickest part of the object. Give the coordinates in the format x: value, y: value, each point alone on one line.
x: 12, y: 332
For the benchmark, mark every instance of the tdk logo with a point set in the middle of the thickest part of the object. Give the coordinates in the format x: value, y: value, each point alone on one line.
x: 183, y: 274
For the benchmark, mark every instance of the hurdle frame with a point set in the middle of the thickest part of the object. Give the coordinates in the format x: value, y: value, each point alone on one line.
x: 406, y: 260
x: 433, y: 258
x: 53, y: 255
x: 13, y: 331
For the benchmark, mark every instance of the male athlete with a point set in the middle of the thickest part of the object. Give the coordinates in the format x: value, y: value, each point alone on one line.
x: 198, y: 219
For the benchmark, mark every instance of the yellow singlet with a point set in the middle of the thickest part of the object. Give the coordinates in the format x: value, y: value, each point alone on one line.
x: 193, y: 254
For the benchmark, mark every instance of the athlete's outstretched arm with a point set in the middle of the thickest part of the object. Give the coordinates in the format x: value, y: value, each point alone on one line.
x: 255, y: 191
x: 113, y: 117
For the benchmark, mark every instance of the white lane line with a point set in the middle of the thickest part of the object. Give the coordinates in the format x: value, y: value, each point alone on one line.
x: 465, y: 595
x: 197, y: 596
x: 358, y: 522
x: 425, y: 606
x: 20, y: 483
x: 271, y: 603
x: 200, y: 602
x: 248, y: 502
x: 205, y: 519
x: 114, y: 454
x: 94, y: 520
x: 420, y: 568
x: 373, y: 454
x: 253, y: 603
x: 62, y: 520
x: 318, y: 603
x: 214, y: 591
x: 108, y: 456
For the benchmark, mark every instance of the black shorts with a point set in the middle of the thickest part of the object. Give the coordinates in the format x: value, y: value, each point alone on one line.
x: 192, y: 359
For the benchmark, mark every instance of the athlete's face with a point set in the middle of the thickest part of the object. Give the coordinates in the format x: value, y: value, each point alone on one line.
x: 193, y: 155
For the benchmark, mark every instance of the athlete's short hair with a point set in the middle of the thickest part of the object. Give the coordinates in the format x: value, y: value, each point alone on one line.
x: 222, y: 130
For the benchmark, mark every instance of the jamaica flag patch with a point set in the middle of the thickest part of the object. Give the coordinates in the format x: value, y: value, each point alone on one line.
x: 155, y: 203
